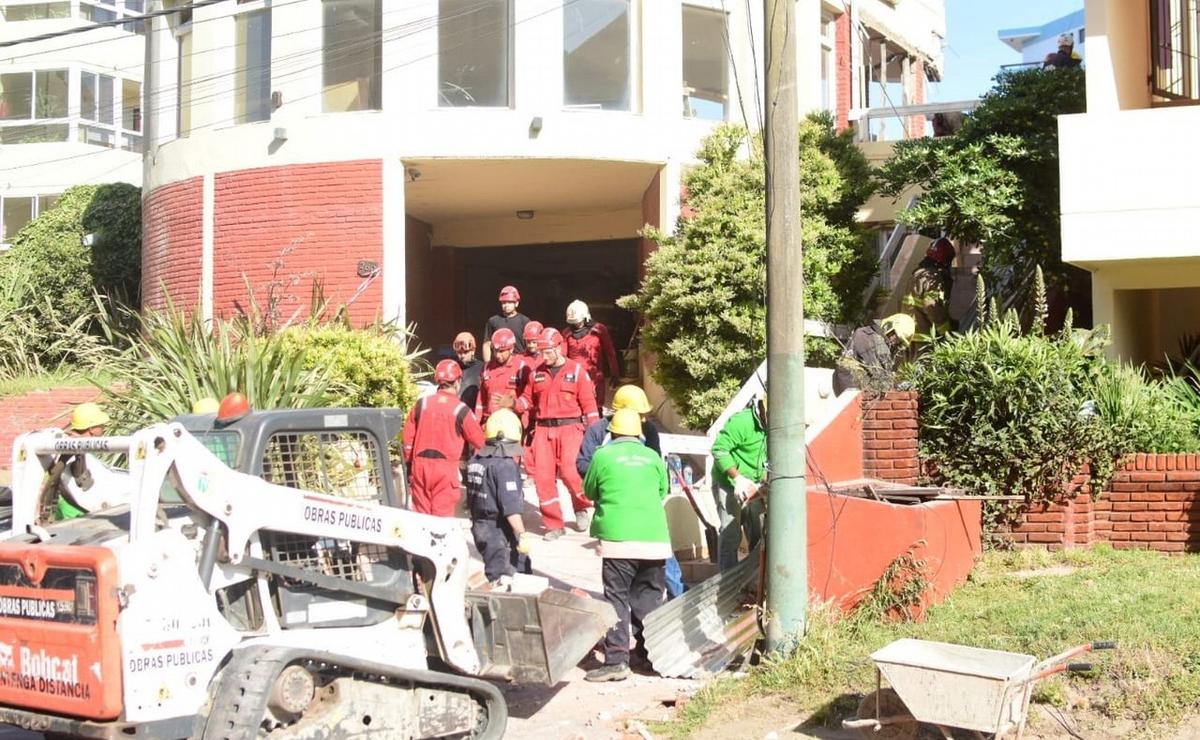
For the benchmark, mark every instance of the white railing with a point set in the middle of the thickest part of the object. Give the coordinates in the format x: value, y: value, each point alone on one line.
x: 872, y: 124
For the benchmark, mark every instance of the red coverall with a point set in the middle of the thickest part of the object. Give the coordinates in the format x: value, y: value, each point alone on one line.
x: 596, y: 351
x: 434, y: 434
x: 528, y: 421
x: 511, y: 379
x: 564, y: 402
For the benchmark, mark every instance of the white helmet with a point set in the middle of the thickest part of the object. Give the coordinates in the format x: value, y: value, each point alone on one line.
x: 1066, y: 39
x: 577, y: 312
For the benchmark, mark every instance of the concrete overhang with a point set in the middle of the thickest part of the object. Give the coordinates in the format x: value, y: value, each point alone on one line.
x: 474, y: 202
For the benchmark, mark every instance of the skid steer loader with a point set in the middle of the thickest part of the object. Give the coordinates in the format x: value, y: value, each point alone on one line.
x: 258, y: 578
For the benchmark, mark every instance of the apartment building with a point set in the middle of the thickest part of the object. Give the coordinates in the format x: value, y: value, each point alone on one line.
x: 70, y: 107
x: 413, y: 157
x: 1129, y: 205
x: 1035, y: 42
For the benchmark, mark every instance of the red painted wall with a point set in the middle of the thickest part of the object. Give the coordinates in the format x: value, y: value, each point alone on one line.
x: 172, y: 217
x: 35, y: 410
x: 844, y: 79
x: 837, y: 452
x: 328, y: 216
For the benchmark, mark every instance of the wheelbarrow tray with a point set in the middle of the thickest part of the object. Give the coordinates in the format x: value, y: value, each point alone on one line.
x: 957, y: 685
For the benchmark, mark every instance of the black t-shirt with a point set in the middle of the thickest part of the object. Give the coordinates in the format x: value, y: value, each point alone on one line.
x: 516, y: 322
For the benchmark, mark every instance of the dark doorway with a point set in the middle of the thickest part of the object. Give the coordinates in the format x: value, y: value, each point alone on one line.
x: 549, y: 277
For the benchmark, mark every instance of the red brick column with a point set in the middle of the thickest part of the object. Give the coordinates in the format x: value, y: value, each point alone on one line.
x: 890, y: 437
x: 843, y: 77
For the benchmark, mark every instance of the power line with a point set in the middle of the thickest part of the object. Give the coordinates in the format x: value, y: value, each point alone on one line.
x: 106, y: 24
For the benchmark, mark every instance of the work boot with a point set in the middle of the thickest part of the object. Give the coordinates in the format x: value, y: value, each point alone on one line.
x: 611, y: 672
x: 554, y: 534
x: 583, y: 520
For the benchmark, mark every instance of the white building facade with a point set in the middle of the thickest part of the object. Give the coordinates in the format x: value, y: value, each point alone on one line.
x: 410, y: 158
x: 70, y: 107
x: 1035, y: 42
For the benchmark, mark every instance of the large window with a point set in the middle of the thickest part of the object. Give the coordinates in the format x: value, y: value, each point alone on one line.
x: 473, y: 52
x: 1175, y: 43
x: 705, y: 64
x: 16, y: 211
x: 352, y: 55
x: 829, y: 63
x: 29, y: 97
x: 597, y: 66
x: 252, y: 99
x: 35, y: 11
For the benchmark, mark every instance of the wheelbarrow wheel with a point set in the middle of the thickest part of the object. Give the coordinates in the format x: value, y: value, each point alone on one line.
x: 903, y: 727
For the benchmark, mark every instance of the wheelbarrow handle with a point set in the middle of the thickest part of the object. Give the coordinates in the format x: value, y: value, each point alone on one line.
x: 1104, y: 645
x: 1079, y: 667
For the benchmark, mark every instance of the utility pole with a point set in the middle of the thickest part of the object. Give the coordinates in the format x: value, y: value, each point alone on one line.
x: 787, y: 515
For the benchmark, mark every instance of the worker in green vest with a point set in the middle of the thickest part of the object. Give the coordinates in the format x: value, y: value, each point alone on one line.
x: 739, y: 469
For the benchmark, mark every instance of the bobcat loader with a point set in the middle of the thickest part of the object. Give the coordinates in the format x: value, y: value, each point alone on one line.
x: 258, y: 578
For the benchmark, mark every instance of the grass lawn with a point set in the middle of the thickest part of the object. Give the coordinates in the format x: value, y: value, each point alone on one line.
x: 63, y: 376
x: 1149, y: 602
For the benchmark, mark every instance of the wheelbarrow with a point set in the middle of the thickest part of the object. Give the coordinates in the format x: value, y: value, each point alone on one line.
x: 985, y: 692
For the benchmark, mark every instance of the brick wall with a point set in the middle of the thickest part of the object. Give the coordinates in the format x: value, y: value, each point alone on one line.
x: 890, y: 437
x: 172, y: 217
x: 328, y: 215
x: 37, y: 410
x: 916, y: 124
x: 844, y: 80
x: 1152, y: 503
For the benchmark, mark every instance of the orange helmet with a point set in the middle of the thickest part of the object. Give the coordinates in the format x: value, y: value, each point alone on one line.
x: 550, y: 339
x: 941, y: 251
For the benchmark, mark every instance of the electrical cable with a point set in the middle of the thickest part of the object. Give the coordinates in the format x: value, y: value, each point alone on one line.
x: 105, y: 24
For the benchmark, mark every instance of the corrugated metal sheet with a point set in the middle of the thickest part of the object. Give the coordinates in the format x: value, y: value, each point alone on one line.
x: 701, y: 632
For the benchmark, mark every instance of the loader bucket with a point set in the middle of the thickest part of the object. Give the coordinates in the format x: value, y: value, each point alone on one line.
x: 536, y: 637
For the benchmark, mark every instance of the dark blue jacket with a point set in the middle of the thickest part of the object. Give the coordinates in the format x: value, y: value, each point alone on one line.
x: 494, y: 482
x: 597, y: 435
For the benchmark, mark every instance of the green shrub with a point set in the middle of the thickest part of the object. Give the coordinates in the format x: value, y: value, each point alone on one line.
x: 33, y: 338
x: 1001, y: 413
x: 367, y: 367
x: 170, y: 359
x: 704, y: 294
x: 1146, y: 413
x: 51, y: 253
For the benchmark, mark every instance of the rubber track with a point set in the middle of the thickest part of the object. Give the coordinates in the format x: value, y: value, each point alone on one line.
x: 240, y: 700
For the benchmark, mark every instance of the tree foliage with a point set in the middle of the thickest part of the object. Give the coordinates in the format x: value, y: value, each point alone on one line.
x: 996, y: 181
x: 51, y: 252
x: 703, y: 299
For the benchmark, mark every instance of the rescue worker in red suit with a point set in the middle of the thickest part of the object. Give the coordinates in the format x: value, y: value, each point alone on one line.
x: 434, y: 434
x: 533, y: 358
x: 564, y: 403
x: 504, y: 383
x: 590, y: 342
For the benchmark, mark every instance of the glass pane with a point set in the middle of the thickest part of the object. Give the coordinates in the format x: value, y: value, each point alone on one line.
x: 17, y: 213
x: 473, y: 52
x: 131, y: 143
x: 51, y: 93
x: 97, y: 135
x: 87, y: 95
x: 135, y: 6
x: 252, y: 100
x: 35, y: 12
x: 185, y: 85
x: 90, y: 12
x: 131, y: 105
x: 39, y: 133
x: 108, y: 113
x: 16, y: 96
x: 596, y: 54
x: 705, y: 63
x: 353, y: 61
x: 46, y: 202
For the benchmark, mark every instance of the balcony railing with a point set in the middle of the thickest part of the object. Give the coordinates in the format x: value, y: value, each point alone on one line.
x: 907, y: 121
x: 57, y: 130
x: 1175, y: 56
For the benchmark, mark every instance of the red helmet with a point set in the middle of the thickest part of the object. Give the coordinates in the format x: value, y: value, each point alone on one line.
x: 509, y: 293
x: 503, y: 339
x: 550, y: 339
x: 533, y: 330
x: 447, y: 372
x: 941, y: 251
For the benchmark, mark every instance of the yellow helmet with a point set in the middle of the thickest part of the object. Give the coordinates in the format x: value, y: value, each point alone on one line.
x: 631, y: 397
x: 207, y: 405
x: 88, y: 415
x: 900, y: 324
x: 626, y: 422
x: 503, y: 424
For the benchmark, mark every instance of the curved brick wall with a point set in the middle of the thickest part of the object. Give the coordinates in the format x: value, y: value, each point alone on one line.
x: 289, y: 225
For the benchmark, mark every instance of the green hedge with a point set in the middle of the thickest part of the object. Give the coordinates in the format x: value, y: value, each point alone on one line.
x: 367, y: 367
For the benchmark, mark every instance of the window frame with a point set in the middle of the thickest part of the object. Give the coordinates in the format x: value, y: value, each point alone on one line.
x: 35, y: 210
x: 634, y: 79
x: 510, y: 61
x: 375, y: 92
x: 1187, y: 91
x: 246, y: 8
x: 725, y: 54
